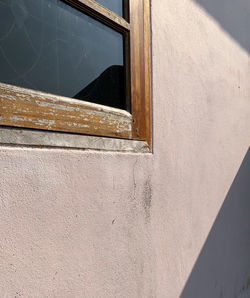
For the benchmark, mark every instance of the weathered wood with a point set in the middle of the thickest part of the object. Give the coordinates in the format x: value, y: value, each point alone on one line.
x: 33, y: 109
x: 140, y: 69
x: 97, y: 11
x: 147, y: 72
x: 137, y: 69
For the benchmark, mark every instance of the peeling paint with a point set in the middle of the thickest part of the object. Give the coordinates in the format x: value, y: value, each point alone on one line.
x: 33, y: 109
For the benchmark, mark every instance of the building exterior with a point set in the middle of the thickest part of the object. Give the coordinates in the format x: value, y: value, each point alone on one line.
x: 171, y: 223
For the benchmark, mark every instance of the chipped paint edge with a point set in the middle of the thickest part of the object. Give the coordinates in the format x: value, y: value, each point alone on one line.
x: 57, y: 99
x: 32, y: 109
x: 26, y: 137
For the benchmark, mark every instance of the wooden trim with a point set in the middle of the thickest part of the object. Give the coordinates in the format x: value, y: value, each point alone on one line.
x: 147, y: 72
x: 101, y: 13
x: 21, y: 107
x: 141, y: 70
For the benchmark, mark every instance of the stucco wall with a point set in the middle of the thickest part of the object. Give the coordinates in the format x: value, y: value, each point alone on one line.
x: 174, y: 223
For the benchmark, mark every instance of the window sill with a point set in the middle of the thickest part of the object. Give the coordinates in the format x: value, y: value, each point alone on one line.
x: 27, y: 137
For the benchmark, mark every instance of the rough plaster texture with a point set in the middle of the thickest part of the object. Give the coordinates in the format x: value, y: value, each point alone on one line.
x: 171, y: 224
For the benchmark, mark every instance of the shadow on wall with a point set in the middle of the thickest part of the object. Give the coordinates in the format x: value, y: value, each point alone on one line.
x: 223, y: 266
x: 233, y: 16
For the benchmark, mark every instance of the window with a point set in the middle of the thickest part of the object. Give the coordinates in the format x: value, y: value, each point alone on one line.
x: 45, y: 83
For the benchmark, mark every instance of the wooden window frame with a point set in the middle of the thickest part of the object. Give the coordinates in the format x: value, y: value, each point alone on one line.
x: 20, y: 107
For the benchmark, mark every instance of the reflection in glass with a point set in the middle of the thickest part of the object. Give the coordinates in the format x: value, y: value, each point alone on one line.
x: 114, y: 5
x: 49, y: 46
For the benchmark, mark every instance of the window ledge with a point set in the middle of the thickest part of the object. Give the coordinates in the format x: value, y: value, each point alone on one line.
x: 27, y: 137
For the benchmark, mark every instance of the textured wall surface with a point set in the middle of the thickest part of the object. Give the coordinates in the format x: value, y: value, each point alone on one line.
x: 171, y: 224
x: 201, y: 136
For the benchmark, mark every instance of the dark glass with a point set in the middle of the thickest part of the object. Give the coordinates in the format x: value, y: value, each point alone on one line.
x: 49, y: 46
x: 114, y: 5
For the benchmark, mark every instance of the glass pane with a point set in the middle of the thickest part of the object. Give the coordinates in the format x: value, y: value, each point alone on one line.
x: 114, y: 5
x: 49, y: 46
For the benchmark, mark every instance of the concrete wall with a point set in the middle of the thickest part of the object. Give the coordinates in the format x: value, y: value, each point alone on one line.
x: 172, y: 224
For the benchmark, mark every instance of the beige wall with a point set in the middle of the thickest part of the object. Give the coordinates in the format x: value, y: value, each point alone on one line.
x: 90, y: 224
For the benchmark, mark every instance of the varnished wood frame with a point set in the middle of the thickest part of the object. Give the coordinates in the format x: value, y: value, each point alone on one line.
x: 140, y: 51
x: 26, y: 108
